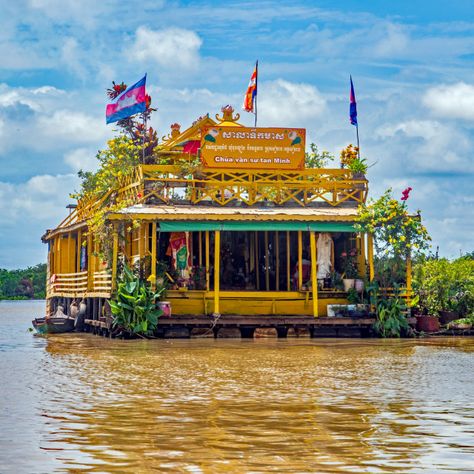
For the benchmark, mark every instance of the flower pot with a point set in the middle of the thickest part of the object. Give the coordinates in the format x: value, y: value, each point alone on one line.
x: 461, y: 326
x: 348, y: 283
x: 165, y: 306
x: 445, y: 317
x: 427, y: 323
x: 359, y: 285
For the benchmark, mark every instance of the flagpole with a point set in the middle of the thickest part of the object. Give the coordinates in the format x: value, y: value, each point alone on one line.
x: 256, y: 95
x: 144, y: 136
x: 357, y: 133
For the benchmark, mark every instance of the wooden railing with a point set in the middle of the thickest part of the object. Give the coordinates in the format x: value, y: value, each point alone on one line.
x: 102, y: 282
x: 68, y: 284
x: 155, y: 184
x: 303, y: 187
x: 76, y: 285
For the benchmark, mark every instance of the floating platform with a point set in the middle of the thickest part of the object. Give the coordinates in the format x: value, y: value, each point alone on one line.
x: 183, y: 326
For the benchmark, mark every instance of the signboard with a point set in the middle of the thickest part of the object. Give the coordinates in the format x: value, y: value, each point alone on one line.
x: 253, y: 148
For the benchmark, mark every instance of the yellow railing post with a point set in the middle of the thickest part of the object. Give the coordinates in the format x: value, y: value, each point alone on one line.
x: 114, y: 258
x: 153, y: 255
x: 217, y: 253
x: 288, y: 263
x: 90, y: 262
x: 78, y: 251
x: 207, y: 261
x: 314, y: 276
x: 408, y: 277
x: 300, y: 259
x: 370, y: 252
x: 69, y: 266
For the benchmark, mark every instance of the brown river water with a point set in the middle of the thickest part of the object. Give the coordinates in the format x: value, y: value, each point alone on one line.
x: 82, y: 403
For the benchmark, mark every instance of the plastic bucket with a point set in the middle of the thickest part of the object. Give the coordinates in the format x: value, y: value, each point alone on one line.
x: 165, y: 306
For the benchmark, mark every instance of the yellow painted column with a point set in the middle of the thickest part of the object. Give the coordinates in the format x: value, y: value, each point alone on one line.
x: 207, y: 261
x: 69, y: 267
x: 408, y: 277
x: 114, y: 258
x: 153, y: 255
x: 58, y: 254
x: 314, y: 276
x: 288, y: 263
x: 217, y: 259
x: 78, y: 250
x: 54, y: 247
x: 300, y: 259
x: 90, y: 262
x: 140, y: 242
x: 370, y: 252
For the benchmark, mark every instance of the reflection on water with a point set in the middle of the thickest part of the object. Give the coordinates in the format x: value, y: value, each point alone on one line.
x: 84, y: 403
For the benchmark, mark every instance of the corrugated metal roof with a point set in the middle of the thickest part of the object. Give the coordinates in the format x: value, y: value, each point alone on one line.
x: 185, y: 212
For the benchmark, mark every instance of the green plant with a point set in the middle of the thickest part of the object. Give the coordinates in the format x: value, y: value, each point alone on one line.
x: 349, y: 264
x: 445, y: 285
x: 352, y: 296
x: 468, y: 320
x: 390, y: 312
x: 396, y: 232
x: 358, y: 165
x: 317, y: 159
x: 336, y: 281
x: 134, y: 305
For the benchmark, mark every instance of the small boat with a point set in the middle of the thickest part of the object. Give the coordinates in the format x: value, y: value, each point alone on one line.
x: 56, y: 323
x: 53, y: 325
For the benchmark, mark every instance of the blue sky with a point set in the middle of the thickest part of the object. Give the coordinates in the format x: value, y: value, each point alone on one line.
x: 412, y: 64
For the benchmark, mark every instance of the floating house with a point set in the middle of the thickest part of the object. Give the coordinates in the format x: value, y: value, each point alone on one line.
x: 245, y: 233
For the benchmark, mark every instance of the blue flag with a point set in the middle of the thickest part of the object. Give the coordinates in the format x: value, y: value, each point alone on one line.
x: 353, y: 106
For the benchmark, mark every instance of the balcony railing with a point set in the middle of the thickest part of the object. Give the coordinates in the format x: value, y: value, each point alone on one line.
x: 166, y: 184
x: 76, y: 285
x: 68, y: 284
x: 169, y: 184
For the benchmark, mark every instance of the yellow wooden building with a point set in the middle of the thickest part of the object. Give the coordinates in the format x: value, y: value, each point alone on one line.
x: 251, y: 226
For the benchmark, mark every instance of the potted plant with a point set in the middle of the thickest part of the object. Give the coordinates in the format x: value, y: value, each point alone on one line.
x: 349, y: 268
x: 463, y: 324
x: 358, y: 167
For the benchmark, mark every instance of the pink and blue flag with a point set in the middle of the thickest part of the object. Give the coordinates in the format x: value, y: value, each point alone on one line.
x: 130, y: 102
x: 353, y: 106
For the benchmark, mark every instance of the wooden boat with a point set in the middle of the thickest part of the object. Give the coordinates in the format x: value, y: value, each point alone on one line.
x: 53, y: 325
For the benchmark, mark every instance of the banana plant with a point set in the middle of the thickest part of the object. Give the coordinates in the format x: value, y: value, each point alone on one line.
x: 134, y: 305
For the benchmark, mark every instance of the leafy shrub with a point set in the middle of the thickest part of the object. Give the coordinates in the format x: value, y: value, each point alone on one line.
x: 134, y: 305
x: 391, y: 320
x: 445, y: 285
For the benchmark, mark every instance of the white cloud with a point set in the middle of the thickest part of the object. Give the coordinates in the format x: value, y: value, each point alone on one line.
x: 75, y: 127
x: 426, y: 129
x: 427, y: 146
x: 36, y: 99
x: 393, y: 40
x: 284, y: 102
x: 454, y: 101
x: 72, y: 56
x: 42, y: 198
x: 171, y: 47
x: 81, y: 159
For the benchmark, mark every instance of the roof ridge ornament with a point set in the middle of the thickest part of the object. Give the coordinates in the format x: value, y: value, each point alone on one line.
x: 227, y: 114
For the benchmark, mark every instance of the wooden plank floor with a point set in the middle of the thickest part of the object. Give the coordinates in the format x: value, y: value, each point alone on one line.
x: 263, y: 321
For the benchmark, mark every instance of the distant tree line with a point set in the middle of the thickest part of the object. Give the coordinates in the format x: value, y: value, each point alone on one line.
x: 29, y: 283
